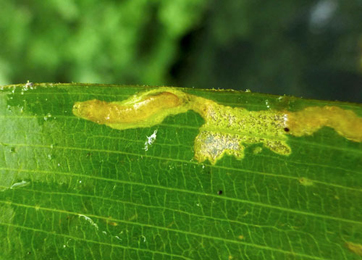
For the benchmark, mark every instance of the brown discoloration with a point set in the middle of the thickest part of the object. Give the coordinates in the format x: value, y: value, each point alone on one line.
x: 309, y: 120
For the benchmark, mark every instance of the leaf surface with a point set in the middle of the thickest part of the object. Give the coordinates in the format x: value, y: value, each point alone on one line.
x: 75, y: 189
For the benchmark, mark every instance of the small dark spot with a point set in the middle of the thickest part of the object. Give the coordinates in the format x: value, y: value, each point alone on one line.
x: 88, y: 155
x: 28, y: 253
x: 13, y: 150
x: 286, y: 129
x: 219, y: 192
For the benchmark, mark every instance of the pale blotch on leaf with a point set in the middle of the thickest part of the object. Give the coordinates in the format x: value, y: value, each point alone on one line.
x: 306, y: 182
x: 227, y: 130
x: 355, y: 248
x: 257, y: 150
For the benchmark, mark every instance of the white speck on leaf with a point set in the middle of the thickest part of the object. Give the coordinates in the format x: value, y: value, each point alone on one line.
x: 19, y: 184
x: 150, y: 140
x: 89, y: 220
x: 267, y: 103
x: 28, y: 85
x: 144, y: 238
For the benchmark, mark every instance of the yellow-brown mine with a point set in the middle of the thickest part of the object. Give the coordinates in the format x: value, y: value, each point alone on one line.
x: 226, y: 130
x: 309, y: 120
x: 136, y: 112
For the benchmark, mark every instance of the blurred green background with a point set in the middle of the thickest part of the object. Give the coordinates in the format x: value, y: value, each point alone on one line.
x: 297, y: 47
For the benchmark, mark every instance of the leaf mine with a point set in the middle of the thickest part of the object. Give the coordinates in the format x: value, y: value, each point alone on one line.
x: 226, y: 130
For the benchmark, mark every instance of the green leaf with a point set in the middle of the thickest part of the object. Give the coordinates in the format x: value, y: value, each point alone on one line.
x: 71, y: 188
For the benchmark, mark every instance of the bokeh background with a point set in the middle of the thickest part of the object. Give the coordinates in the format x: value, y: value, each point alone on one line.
x: 296, y: 47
